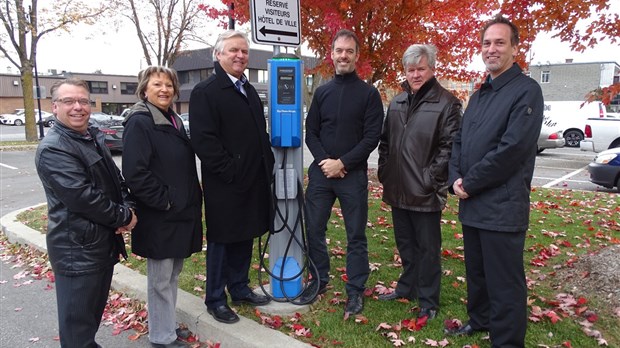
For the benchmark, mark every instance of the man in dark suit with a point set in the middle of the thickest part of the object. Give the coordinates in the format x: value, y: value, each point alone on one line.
x: 490, y: 170
x: 229, y: 136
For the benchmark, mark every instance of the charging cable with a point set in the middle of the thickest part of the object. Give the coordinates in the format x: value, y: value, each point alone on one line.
x: 293, y: 238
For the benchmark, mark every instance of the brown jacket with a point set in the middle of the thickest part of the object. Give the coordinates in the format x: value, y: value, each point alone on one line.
x: 415, y: 146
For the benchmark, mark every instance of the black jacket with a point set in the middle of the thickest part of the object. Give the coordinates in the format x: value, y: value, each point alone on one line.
x: 415, y: 146
x: 494, y: 152
x: 159, y: 166
x: 344, y: 121
x: 87, y: 201
x: 229, y: 135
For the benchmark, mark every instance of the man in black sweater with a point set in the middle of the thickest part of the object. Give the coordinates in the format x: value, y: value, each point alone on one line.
x: 342, y: 129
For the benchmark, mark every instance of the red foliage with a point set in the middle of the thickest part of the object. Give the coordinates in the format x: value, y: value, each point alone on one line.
x: 387, y: 28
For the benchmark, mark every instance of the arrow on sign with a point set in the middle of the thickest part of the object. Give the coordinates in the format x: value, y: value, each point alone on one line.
x: 266, y: 31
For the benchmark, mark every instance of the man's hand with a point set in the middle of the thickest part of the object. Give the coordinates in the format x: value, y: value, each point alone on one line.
x: 459, y: 190
x: 332, y: 168
x: 131, y: 225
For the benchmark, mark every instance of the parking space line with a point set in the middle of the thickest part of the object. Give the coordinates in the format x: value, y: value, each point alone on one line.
x: 7, y: 166
x: 565, y: 177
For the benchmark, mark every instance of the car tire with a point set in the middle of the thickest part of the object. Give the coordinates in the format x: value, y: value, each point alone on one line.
x: 50, y: 123
x: 18, y: 123
x: 572, y: 138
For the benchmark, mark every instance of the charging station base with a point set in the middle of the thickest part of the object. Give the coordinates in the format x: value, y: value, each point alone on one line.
x: 288, y: 288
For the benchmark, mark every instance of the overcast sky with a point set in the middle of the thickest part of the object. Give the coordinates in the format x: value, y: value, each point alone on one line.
x: 119, y: 53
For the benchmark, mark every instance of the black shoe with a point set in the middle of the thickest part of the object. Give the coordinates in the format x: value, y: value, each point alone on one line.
x: 464, y: 330
x: 183, y: 333
x: 355, y: 304
x: 429, y: 313
x: 173, y: 344
x: 223, y: 314
x: 252, y: 299
x: 389, y: 297
x: 311, y: 292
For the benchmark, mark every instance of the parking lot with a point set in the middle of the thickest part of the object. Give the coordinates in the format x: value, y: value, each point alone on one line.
x: 564, y: 168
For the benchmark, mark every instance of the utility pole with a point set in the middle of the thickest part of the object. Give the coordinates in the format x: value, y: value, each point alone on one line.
x: 231, y: 16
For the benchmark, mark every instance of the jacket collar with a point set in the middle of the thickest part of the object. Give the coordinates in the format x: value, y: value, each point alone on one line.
x: 222, y: 76
x: 349, y: 77
x: 144, y: 107
x: 428, y: 92
x: 503, y: 78
x: 90, y: 134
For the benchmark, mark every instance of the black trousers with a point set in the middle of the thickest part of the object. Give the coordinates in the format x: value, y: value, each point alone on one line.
x: 496, y: 287
x: 418, y: 238
x: 228, y: 265
x: 352, y: 193
x: 81, y: 301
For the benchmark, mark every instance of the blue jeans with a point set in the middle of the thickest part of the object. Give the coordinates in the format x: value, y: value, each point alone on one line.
x: 352, y: 193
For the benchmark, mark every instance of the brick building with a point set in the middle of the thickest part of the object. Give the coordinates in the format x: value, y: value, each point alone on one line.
x: 572, y: 81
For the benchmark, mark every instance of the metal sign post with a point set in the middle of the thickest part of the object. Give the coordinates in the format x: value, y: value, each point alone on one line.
x: 277, y: 22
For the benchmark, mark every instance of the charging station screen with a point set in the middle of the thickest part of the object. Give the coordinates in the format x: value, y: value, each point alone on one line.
x: 286, y: 85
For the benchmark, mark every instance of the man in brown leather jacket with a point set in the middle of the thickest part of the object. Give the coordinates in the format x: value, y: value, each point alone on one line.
x: 414, y: 150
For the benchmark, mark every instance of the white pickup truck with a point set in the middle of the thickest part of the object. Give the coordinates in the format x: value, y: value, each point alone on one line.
x: 601, y: 134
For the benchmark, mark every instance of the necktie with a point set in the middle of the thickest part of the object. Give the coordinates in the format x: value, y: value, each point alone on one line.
x: 239, y: 85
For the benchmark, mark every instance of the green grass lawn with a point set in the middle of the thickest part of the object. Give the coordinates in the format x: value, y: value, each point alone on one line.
x: 564, y: 225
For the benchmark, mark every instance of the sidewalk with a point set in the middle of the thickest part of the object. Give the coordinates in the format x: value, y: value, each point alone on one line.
x: 190, y: 309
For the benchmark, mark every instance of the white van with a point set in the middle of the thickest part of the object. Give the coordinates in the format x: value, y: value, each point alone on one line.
x: 570, y: 117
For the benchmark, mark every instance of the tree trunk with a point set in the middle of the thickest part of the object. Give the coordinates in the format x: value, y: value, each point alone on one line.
x: 31, y: 123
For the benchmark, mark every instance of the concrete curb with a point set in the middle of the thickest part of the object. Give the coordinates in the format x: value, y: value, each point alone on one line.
x: 190, y: 309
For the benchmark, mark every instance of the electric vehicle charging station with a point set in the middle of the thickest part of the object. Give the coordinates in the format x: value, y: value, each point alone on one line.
x: 286, y: 257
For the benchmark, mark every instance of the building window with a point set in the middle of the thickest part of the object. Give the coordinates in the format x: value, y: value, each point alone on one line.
x: 128, y: 87
x: 544, y: 76
x: 183, y: 77
x: 98, y: 87
x: 263, y: 76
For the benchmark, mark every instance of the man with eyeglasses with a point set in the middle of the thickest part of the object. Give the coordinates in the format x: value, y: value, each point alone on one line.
x: 88, y: 210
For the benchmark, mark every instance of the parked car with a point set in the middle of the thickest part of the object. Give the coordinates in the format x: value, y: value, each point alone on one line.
x: 113, y: 134
x: 104, y: 118
x: 570, y: 116
x: 550, y: 139
x: 605, y: 169
x: 601, y: 134
x: 49, y: 120
x: 18, y: 117
x: 125, y: 112
x: 185, y: 117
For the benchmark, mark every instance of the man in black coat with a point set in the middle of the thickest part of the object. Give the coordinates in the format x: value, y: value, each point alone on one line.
x: 229, y: 136
x: 88, y: 209
x: 414, y: 151
x: 491, y: 171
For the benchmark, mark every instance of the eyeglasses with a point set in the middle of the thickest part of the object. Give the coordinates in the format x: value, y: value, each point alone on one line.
x: 71, y: 101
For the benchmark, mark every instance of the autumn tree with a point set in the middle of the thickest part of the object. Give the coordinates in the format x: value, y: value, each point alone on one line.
x: 386, y: 28
x: 25, y: 25
x: 164, y: 26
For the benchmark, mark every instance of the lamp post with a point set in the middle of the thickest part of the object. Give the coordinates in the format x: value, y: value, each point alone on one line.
x: 231, y: 17
x: 38, y: 96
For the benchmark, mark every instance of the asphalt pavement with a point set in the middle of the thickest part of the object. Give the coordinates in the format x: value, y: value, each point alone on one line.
x: 28, y: 316
x: 28, y: 311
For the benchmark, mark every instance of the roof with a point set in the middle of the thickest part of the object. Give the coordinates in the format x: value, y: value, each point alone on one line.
x: 203, y: 59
